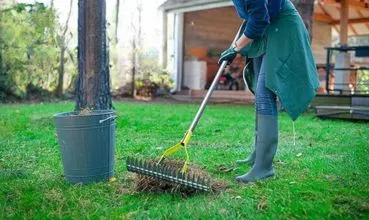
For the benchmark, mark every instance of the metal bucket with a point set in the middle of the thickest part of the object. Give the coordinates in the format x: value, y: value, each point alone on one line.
x: 87, y: 145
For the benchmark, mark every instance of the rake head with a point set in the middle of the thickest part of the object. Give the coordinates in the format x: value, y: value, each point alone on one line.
x: 166, y: 173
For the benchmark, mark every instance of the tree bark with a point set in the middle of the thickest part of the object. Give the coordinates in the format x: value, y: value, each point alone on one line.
x: 306, y: 10
x: 63, y: 47
x: 93, y: 84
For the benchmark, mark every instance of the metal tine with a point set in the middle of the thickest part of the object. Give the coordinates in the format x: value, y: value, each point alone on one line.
x: 190, y: 179
x: 204, y: 183
x: 186, y: 177
x: 199, y: 181
x: 148, y: 166
x: 176, y: 174
x: 141, y: 163
x: 160, y: 169
x: 165, y: 170
x: 180, y: 175
x: 155, y: 168
x: 193, y: 179
x: 170, y: 172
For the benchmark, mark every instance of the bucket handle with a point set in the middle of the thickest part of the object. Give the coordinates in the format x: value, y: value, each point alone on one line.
x: 108, y: 118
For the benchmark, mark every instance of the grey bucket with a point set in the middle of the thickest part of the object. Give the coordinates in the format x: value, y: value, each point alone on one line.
x: 87, y: 145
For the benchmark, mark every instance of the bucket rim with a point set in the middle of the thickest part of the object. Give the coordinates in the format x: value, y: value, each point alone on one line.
x: 76, y: 115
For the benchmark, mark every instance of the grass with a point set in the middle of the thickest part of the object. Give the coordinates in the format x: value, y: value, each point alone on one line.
x: 324, y: 176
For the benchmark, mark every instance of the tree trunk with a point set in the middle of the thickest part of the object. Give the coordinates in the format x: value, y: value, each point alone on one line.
x: 306, y: 10
x: 93, y: 84
x: 63, y: 47
x: 116, y: 21
x: 59, y: 88
x: 134, y: 54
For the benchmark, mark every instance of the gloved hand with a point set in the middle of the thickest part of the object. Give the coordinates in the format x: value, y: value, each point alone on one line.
x: 228, y: 56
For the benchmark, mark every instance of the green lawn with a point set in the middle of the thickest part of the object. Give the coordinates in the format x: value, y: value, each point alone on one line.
x: 326, y: 175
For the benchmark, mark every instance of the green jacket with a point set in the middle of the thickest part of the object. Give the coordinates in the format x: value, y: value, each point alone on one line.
x: 290, y: 67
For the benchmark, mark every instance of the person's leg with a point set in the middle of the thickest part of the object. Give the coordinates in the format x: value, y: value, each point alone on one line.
x: 251, y: 158
x: 267, y: 132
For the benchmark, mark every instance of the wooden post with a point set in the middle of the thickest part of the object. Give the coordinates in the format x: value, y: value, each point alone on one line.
x: 93, y: 84
x: 344, y: 22
x: 178, y: 57
x: 165, y: 40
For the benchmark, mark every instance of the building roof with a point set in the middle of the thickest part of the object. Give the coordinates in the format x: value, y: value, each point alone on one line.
x: 180, y: 4
x: 325, y: 10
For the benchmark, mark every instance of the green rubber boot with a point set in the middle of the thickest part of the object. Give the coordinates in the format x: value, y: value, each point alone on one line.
x: 266, y: 147
x: 250, y: 160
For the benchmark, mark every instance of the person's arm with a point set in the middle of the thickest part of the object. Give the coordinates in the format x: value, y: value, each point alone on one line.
x: 258, y: 18
x: 242, y: 42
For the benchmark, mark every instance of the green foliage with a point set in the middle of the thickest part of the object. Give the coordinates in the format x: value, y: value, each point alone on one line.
x: 363, y: 81
x: 152, y: 75
x: 29, y: 50
x: 324, y: 176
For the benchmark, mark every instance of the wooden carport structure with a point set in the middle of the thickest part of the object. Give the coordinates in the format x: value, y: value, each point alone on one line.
x: 347, y: 17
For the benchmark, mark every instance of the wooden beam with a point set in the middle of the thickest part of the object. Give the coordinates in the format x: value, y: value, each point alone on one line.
x: 323, y: 17
x: 344, y: 22
x: 324, y: 11
x: 352, y: 3
x: 352, y: 29
x: 362, y: 15
x: 352, y: 21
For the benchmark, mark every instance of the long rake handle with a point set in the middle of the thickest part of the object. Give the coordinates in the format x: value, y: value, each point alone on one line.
x: 213, y: 84
x: 187, y: 136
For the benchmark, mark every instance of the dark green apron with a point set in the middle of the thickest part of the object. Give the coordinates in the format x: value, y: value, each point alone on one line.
x: 290, y: 69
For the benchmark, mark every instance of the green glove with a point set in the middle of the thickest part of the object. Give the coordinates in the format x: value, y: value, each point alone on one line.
x: 228, y: 56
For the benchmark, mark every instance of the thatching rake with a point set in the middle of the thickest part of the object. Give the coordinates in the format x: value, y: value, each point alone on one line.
x: 159, y: 170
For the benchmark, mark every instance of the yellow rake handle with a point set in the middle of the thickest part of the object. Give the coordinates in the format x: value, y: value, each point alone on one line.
x: 177, y: 147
